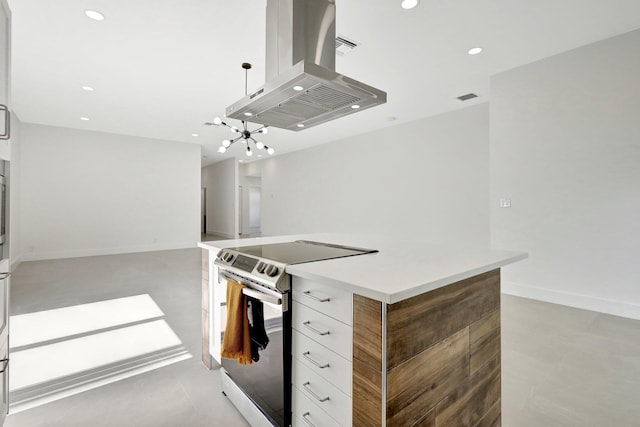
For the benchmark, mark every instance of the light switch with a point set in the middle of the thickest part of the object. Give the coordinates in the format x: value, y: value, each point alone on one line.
x: 505, y: 203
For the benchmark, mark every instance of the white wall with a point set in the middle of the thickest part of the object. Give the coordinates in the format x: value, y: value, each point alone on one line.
x: 565, y: 147
x: 426, y: 179
x: 15, y: 219
x: 89, y: 193
x: 221, y: 182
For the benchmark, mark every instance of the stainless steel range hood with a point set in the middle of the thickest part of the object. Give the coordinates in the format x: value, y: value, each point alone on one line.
x: 302, y: 88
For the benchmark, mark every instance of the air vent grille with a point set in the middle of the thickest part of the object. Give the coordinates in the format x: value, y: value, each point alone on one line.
x: 327, y: 97
x: 313, y: 103
x: 467, y: 96
x: 344, y: 45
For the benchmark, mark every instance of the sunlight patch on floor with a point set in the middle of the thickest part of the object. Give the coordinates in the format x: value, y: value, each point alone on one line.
x: 61, y: 352
x: 31, y: 328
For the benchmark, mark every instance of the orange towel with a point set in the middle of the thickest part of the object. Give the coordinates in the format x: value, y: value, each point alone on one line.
x: 236, y: 343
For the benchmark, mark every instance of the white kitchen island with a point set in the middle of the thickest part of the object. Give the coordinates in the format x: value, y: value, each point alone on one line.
x: 416, y: 338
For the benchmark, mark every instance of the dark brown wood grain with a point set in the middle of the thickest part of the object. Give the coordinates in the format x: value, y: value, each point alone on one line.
x: 473, y: 399
x: 417, y: 323
x: 484, y: 336
x: 418, y: 384
x: 367, y: 362
x: 367, y: 331
x: 493, y: 417
x: 428, y: 420
x: 367, y: 395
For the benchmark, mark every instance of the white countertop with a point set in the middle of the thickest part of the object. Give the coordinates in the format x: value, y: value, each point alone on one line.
x: 401, y: 269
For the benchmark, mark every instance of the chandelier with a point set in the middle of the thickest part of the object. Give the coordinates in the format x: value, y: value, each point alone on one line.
x: 245, y: 136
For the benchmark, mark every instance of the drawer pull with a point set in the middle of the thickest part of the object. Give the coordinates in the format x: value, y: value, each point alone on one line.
x: 5, y: 362
x: 307, y: 356
x: 315, y: 396
x: 319, y: 332
x: 308, y: 293
x: 306, y: 420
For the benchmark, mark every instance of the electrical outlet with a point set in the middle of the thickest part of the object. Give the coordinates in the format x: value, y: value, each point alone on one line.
x: 505, y: 203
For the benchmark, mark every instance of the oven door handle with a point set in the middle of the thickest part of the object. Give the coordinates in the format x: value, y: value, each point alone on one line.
x: 250, y: 291
x: 261, y: 296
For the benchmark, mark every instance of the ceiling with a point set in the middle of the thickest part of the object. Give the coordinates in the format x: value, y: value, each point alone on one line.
x: 161, y: 68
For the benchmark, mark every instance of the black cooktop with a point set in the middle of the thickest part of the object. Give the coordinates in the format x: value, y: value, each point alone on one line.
x: 301, y: 251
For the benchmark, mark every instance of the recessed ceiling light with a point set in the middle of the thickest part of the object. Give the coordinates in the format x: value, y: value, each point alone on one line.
x: 298, y: 88
x: 241, y: 161
x: 355, y: 106
x: 248, y: 114
x: 94, y: 14
x: 194, y: 134
x: 474, y: 51
x: 300, y: 125
x: 84, y: 118
x: 409, y: 4
x: 87, y: 88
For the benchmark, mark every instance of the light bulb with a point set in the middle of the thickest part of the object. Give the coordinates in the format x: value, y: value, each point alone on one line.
x: 474, y: 51
x: 264, y: 130
x: 222, y: 150
x: 259, y: 145
x: 271, y: 150
x: 226, y: 143
x: 298, y: 88
x: 217, y: 121
x: 249, y: 152
x: 409, y: 4
x: 355, y: 106
x: 94, y: 14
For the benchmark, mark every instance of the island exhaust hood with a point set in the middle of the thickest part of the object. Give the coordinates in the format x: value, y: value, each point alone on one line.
x: 302, y: 88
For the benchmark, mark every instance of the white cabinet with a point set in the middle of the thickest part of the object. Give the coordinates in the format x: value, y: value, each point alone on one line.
x: 5, y: 125
x: 5, y: 66
x: 322, y: 342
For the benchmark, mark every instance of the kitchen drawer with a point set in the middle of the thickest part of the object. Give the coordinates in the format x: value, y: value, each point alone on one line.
x: 322, y: 393
x: 330, y: 300
x: 311, y: 354
x: 307, y: 414
x: 323, y: 329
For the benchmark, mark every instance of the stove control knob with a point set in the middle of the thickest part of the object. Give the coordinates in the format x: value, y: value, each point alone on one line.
x: 261, y: 267
x: 272, y: 271
x: 227, y: 257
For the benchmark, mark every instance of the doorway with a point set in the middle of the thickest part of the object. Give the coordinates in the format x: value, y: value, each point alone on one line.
x: 249, y: 212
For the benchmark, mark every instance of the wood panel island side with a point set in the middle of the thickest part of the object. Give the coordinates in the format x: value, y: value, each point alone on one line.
x: 425, y: 352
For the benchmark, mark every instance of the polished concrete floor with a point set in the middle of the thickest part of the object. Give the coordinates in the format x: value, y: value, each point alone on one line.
x: 561, y: 366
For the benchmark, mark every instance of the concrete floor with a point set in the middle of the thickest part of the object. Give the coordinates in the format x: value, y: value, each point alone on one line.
x: 561, y: 366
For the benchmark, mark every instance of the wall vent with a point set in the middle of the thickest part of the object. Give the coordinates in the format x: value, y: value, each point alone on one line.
x: 344, y: 45
x: 467, y: 96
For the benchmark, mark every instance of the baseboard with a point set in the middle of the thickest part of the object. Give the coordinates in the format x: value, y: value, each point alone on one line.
x: 15, y: 262
x: 38, y: 256
x: 222, y: 234
x: 617, y: 308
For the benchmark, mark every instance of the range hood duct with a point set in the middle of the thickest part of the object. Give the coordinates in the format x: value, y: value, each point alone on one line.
x: 300, y: 52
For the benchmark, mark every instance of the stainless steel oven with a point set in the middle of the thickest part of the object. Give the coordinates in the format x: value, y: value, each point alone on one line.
x: 262, y: 390
x: 265, y: 384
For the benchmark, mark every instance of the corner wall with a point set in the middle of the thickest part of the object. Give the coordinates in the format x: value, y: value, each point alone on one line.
x: 221, y: 182
x: 427, y: 179
x: 89, y: 193
x: 565, y: 147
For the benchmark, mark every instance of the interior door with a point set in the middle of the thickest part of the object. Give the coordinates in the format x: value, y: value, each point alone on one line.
x: 203, y: 211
